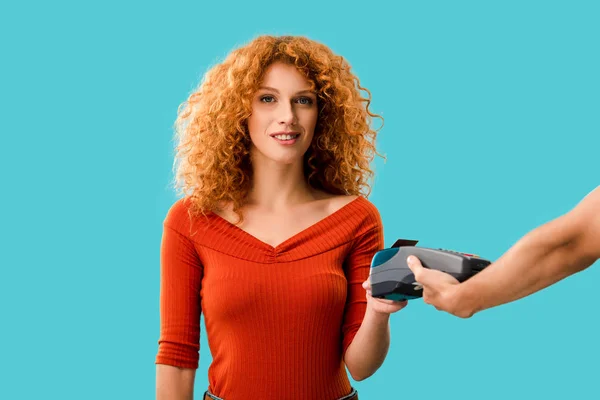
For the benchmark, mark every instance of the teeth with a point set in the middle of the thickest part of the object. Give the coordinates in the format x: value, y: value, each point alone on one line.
x: 285, y: 137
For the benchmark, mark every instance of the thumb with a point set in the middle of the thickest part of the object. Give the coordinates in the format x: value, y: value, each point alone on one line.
x: 421, y: 275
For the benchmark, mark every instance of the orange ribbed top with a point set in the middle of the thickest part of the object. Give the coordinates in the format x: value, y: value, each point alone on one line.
x: 278, y: 319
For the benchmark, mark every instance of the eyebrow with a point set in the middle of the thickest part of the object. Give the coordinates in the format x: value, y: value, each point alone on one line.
x: 277, y: 91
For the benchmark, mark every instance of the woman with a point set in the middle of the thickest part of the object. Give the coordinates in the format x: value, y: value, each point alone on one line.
x: 273, y: 241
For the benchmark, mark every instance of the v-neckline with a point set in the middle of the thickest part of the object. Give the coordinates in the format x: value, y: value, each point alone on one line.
x: 295, y: 236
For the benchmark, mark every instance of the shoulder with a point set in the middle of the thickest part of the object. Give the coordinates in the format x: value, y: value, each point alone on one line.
x: 370, y: 217
x: 365, y: 208
x: 359, y: 209
x: 178, y: 216
x: 368, y: 208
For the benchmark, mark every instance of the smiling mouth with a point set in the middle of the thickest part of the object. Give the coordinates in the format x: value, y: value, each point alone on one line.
x: 286, y: 136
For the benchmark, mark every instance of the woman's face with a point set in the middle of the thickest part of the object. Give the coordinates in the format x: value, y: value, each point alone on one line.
x: 284, y: 115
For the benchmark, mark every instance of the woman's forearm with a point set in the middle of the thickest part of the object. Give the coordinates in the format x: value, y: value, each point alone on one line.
x: 370, y: 345
x: 174, y: 383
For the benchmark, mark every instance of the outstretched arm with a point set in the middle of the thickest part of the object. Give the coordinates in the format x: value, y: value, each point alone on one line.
x: 544, y: 256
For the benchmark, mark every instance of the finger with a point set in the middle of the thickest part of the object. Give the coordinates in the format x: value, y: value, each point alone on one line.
x: 389, y: 302
x: 426, y: 299
x: 389, y: 308
x: 430, y: 296
x: 424, y: 276
x: 415, y: 266
x: 400, y: 305
x: 366, y: 285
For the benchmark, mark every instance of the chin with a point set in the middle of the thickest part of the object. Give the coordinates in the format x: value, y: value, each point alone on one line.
x: 281, y: 157
x: 287, y: 160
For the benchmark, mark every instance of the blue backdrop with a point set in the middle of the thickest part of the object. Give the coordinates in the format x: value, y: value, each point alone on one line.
x: 491, y: 129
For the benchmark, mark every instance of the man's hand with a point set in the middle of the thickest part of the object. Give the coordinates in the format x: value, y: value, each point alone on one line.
x: 439, y: 288
x: 547, y: 254
x: 382, y: 306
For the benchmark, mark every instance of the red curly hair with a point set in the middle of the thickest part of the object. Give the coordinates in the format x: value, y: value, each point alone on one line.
x: 213, y: 151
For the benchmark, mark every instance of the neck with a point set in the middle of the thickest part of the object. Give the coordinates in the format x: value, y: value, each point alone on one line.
x: 278, y: 186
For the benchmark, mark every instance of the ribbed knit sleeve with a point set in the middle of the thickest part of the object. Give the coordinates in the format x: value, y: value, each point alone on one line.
x: 357, y: 267
x: 181, y: 275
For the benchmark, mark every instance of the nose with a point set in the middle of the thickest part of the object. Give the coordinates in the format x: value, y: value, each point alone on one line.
x: 286, y: 115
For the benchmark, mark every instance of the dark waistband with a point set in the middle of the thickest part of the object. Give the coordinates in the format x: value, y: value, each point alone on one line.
x: 352, y: 396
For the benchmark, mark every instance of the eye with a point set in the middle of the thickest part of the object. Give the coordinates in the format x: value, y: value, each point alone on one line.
x: 267, y: 99
x: 306, y: 101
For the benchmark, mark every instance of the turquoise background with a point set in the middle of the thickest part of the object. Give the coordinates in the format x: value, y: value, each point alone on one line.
x: 491, y: 129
